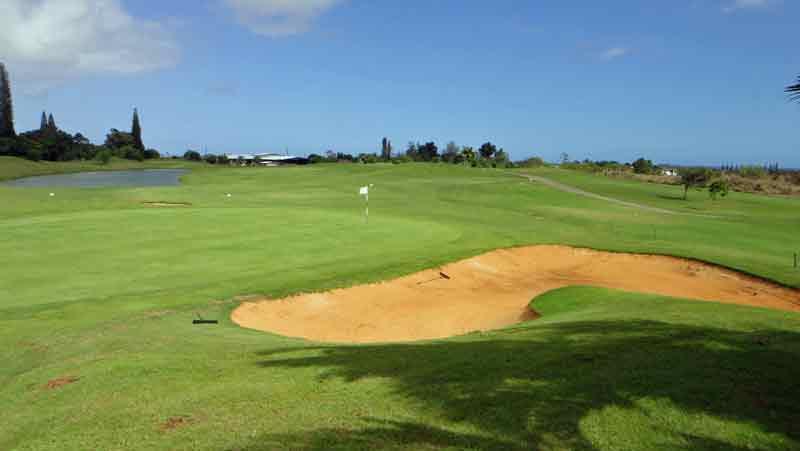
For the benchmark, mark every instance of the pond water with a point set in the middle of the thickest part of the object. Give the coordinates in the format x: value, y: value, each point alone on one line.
x: 149, y: 177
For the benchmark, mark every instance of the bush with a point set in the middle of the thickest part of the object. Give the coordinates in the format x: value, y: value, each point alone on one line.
x: 210, y: 158
x: 752, y: 171
x: 151, y: 154
x: 191, y: 155
x: 130, y: 153
x: 103, y: 156
x: 368, y: 158
x: 642, y: 166
x: 718, y: 188
x: 532, y: 162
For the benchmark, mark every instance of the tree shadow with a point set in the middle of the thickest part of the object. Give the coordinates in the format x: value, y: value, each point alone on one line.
x: 532, y: 388
x: 671, y: 197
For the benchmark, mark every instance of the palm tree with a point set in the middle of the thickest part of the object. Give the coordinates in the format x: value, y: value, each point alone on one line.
x: 794, y: 91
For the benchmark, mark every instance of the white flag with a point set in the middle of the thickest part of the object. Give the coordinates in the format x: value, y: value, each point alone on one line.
x: 364, y: 191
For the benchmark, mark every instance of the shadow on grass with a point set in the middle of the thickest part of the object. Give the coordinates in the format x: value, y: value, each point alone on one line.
x: 671, y: 197
x: 532, y: 387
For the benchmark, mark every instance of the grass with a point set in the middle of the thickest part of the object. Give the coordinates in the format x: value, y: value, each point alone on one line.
x: 100, y: 287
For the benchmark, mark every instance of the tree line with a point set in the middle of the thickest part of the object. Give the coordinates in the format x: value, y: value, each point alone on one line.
x: 487, y: 155
x: 51, y: 143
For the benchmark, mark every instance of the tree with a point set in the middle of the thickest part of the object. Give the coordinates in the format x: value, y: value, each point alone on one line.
x: 136, y: 131
x: 532, y: 162
x: 43, y: 123
x: 794, y: 91
x: 192, y: 155
x: 468, y: 154
x: 564, y: 158
x: 718, y: 188
x: 642, y: 166
x: 487, y: 150
x: 412, y: 151
x: 501, y: 158
x: 116, y: 139
x: 428, y: 151
x: 104, y: 156
x: 386, y: 149
x: 451, y: 151
x: 694, y: 178
x: 6, y: 105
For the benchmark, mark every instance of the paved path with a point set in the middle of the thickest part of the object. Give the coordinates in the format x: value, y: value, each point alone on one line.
x: 572, y: 189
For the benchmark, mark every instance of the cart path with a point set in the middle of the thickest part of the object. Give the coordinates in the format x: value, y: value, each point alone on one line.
x: 571, y: 189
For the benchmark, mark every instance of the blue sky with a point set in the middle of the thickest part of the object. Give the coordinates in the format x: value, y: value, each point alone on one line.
x: 681, y: 81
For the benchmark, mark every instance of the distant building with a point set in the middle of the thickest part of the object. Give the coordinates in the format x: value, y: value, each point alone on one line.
x: 265, y: 159
x: 669, y: 171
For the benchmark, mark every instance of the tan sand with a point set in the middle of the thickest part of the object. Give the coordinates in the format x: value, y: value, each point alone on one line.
x: 492, y: 291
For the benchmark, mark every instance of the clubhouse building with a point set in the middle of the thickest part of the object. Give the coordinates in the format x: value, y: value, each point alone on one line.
x: 265, y: 159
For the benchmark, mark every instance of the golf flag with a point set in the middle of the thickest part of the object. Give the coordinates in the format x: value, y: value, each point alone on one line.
x: 364, y: 191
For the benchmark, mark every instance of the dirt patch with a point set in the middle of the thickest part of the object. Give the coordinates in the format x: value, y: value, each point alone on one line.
x: 492, y: 291
x: 60, y: 382
x: 173, y: 423
x: 167, y: 204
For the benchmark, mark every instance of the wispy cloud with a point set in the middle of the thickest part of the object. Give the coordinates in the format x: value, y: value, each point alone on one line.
x: 276, y: 18
x: 45, y: 42
x: 745, y: 4
x: 614, y: 53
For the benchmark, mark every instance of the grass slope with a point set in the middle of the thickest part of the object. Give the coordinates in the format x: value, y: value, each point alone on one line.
x: 100, y: 287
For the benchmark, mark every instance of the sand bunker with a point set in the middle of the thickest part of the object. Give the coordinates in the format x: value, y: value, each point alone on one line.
x: 493, y: 290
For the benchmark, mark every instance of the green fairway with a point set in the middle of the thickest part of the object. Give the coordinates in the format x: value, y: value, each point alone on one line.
x: 101, y: 287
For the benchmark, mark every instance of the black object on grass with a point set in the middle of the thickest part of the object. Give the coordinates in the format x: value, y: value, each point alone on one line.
x: 200, y: 320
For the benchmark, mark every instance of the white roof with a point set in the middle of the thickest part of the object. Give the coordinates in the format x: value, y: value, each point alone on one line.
x: 261, y: 156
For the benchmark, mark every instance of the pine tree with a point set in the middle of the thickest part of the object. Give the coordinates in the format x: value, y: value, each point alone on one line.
x: 136, y: 131
x: 43, y: 124
x: 6, y: 106
x: 51, y: 123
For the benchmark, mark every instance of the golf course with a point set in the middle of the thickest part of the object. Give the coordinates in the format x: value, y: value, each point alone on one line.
x: 634, y: 319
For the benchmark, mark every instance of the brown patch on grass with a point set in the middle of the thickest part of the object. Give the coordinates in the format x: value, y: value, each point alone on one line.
x: 60, y: 382
x: 494, y: 290
x: 173, y: 423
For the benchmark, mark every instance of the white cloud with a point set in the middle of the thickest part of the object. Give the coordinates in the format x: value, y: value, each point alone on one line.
x: 614, y: 53
x: 276, y: 18
x: 49, y: 41
x: 745, y: 4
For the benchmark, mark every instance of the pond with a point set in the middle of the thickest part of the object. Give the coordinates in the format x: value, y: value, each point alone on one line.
x: 149, y: 177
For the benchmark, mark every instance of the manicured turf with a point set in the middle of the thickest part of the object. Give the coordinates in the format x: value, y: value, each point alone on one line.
x: 100, y: 287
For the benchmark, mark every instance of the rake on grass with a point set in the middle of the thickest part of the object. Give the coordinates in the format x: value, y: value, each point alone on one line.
x: 200, y: 320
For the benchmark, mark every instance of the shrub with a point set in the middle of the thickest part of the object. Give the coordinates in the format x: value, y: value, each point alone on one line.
x: 103, y: 156
x: 718, y: 188
x: 642, y: 166
x: 192, y: 155
x: 752, y: 171
x: 151, y: 154
x: 532, y: 162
